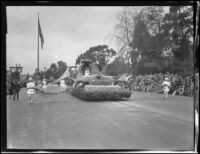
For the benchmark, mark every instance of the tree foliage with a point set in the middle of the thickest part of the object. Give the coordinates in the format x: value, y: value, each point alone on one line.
x: 100, y: 55
x: 118, y: 66
x: 62, y: 66
x: 150, y: 37
x: 178, y: 30
x: 53, y: 72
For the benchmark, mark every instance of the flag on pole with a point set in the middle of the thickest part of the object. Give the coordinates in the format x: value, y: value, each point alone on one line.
x: 40, y: 33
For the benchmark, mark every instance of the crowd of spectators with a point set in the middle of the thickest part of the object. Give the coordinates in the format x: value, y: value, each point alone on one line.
x: 153, y: 82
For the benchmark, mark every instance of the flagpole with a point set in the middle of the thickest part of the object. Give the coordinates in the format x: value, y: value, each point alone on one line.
x: 38, y: 46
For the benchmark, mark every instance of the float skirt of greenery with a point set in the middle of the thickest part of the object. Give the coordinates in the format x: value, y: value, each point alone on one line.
x: 100, y: 93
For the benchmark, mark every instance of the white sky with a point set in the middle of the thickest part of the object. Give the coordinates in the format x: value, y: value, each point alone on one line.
x: 67, y: 31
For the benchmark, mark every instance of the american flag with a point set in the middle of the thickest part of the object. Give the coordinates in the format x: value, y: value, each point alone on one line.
x: 40, y: 33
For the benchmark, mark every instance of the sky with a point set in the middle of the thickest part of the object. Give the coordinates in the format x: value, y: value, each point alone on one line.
x: 68, y: 31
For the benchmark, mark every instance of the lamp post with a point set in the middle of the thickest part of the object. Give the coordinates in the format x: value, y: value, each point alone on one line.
x: 17, y: 69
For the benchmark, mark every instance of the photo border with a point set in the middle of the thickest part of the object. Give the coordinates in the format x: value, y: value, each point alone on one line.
x: 4, y: 31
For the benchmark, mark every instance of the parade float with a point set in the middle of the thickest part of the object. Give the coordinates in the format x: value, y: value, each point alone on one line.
x: 90, y: 84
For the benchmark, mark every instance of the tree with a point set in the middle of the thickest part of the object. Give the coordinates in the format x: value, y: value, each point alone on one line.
x: 118, y: 66
x: 136, y: 32
x: 100, y: 55
x: 148, y: 35
x: 53, y: 67
x: 154, y: 20
x: 49, y: 74
x: 123, y: 30
x: 178, y: 31
x: 62, y: 66
x: 153, y: 17
x: 140, y: 44
x: 149, y: 46
x: 38, y: 75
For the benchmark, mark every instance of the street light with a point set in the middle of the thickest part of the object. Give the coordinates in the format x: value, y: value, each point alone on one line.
x: 12, y: 69
x: 16, y: 68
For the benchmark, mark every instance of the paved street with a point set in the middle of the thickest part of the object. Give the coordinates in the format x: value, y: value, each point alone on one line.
x: 62, y: 121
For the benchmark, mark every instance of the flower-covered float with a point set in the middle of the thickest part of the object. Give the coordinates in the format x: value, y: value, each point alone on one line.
x: 90, y: 84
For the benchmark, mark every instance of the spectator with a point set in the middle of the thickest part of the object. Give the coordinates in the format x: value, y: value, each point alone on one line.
x: 16, y: 88
x: 44, y: 85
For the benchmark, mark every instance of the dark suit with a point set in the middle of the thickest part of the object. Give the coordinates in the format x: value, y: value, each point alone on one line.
x: 16, y: 89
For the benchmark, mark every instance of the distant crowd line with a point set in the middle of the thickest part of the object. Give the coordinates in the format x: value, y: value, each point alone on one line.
x: 153, y: 82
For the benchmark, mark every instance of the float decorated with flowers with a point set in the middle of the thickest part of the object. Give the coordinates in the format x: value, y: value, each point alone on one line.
x: 90, y: 84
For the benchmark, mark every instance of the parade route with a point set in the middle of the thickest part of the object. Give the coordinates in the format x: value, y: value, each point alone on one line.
x: 62, y: 121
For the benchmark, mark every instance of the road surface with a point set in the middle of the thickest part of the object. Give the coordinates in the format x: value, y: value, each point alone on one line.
x: 62, y: 121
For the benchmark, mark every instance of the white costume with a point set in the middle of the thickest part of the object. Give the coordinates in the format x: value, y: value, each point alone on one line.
x: 30, y: 88
x: 166, y: 85
x: 44, y: 85
x: 62, y: 84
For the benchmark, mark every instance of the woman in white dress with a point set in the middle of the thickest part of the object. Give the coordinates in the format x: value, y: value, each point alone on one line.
x: 63, y: 85
x: 30, y: 89
x: 166, y: 87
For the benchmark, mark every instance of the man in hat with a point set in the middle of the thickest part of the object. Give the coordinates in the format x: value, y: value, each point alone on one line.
x: 166, y: 86
x: 30, y: 89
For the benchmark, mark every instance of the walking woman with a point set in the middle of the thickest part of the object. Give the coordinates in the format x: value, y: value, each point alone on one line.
x: 30, y: 89
x: 166, y: 87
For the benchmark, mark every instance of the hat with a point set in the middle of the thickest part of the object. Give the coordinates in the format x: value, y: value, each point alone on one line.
x: 166, y: 79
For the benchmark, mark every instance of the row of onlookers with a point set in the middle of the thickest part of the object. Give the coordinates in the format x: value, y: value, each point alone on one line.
x: 153, y: 82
